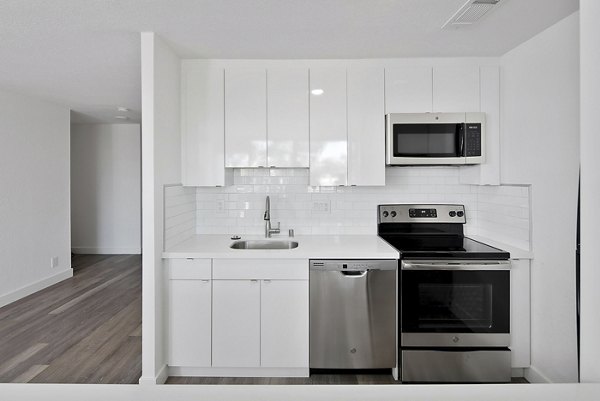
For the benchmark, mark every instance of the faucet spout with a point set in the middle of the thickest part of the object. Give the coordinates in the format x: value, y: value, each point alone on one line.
x: 267, y: 215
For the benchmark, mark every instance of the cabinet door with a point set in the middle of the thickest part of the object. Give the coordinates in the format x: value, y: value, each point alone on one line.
x: 328, y: 127
x: 202, y: 124
x: 287, y: 117
x: 245, y: 117
x: 189, y: 323
x: 487, y: 173
x: 284, y: 323
x: 520, y: 314
x: 408, y: 89
x: 366, y: 126
x: 456, y: 89
x: 236, y: 323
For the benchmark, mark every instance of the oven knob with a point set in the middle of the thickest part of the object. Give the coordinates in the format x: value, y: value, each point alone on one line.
x: 460, y: 213
x: 455, y: 339
x: 393, y: 214
x: 385, y: 214
x: 452, y: 213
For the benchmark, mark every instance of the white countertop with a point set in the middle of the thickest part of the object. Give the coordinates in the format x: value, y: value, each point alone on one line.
x: 515, y: 252
x: 309, y: 247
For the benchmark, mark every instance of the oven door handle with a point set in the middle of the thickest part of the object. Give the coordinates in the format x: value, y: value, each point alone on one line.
x: 422, y: 265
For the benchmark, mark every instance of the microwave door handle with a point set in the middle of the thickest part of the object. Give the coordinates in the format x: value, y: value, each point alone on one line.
x: 461, y: 140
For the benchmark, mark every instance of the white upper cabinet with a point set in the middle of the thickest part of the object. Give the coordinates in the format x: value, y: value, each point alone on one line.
x: 408, y: 89
x: 245, y: 117
x: 328, y: 127
x: 487, y: 173
x: 287, y: 117
x: 366, y: 126
x: 202, y: 124
x: 455, y: 89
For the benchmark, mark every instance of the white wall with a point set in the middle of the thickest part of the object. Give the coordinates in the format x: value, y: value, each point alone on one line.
x: 105, y: 188
x: 540, y: 146
x: 161, y: 165
x: 590, y: 191
x: 34, y: 199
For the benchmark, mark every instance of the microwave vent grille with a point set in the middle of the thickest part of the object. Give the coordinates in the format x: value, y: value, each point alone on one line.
x: 471, y: 12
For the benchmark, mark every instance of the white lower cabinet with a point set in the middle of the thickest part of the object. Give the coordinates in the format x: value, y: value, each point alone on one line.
x: 236, y: 323
x: 260, y: 323
x: 284, y: 323
x: 520, y: 313
x: 189, y: 306
x: 238, y: 317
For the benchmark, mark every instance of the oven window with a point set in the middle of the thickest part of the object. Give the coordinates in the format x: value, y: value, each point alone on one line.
x: 427, y: 140
x: 451, y: 305
x: 455, y: 301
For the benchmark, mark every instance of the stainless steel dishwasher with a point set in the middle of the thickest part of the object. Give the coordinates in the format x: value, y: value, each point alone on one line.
x: 353, y: 314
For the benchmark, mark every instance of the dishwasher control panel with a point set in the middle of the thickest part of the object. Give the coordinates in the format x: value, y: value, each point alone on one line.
x: 353, y: 264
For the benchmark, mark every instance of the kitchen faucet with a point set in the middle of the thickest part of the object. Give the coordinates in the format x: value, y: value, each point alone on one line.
x: 267, y: 217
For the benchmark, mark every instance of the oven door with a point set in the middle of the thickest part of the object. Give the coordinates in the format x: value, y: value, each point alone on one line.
x: 426, y: 138
x: 455, y: 303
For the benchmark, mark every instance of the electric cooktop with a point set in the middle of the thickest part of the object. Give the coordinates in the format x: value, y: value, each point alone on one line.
x: 431, y: 232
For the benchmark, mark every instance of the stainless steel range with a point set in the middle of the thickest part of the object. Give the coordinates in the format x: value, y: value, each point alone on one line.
x: 454, y: 297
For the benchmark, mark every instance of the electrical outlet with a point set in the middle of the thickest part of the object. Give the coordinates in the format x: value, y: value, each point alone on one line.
x: 54, y: 262
x: 321, y: 206
x: 221, y: 208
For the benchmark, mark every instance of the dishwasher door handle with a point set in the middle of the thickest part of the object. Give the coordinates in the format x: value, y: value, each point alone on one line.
x: 354, y: 273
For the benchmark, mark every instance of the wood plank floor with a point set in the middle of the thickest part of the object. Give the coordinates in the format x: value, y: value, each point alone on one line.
x: 86, y: 329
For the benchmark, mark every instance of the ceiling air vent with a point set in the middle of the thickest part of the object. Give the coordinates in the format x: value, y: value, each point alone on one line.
x: 471, y: 12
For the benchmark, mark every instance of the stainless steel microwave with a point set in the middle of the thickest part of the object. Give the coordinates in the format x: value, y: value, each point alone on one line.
x: 435, y: 138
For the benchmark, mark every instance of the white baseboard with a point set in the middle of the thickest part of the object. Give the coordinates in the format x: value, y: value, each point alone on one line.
x: 89, y: 250
x: 34, y: 287
x: 533, y: 375
x: 238, y: 372
x: 160, y: 378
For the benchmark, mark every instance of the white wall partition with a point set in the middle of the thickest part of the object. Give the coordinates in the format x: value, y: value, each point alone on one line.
x: 590, y: 191
x: 34, y: 200
x: 540, y: 146
x: 161, y: 165
x: 106, y: 188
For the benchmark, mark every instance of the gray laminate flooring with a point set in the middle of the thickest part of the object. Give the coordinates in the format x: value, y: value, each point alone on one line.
x: 86, y: 329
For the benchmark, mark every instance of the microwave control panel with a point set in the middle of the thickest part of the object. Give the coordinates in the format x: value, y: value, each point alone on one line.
x: 473, y: 142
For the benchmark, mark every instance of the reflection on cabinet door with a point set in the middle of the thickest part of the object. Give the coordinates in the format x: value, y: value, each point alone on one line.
x: 284, y: 323
x: 236, y: 323
x: 287, y: 117
x: 189, y: 322
x: 245, y: 117
x: 328, y: 127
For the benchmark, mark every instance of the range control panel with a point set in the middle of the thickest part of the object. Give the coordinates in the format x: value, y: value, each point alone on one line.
x: 405, y: 213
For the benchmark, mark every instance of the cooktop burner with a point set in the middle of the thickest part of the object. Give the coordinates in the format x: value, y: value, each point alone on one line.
x: 431, y: 232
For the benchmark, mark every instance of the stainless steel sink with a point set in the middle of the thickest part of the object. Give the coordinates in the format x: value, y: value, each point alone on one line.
x: 259, y: 244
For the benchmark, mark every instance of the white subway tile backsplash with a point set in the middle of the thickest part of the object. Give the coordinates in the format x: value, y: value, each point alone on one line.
x: 180, y: 208
x: 498, y: 212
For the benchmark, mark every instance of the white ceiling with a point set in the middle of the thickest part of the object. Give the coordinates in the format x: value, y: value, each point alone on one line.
x: 86, y: 53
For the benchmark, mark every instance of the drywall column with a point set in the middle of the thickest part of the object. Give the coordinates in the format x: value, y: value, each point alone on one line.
x: 105, y: 188
x: 34, y: 195
x: 590, y: 190
x: 540, y: 146
x: 161, y: 165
